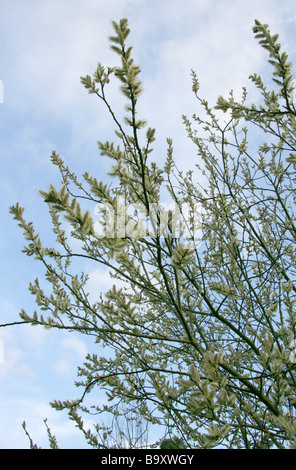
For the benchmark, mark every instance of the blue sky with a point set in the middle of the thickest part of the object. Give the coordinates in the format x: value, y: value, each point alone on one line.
x: 45, y: 46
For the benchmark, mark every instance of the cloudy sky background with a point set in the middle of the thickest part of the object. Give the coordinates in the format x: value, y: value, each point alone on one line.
x: 45, y: 46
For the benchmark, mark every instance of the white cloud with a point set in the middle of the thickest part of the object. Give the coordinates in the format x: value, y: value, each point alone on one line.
x: 75, y: 344
x: 34, y: 335
x: 12, y: 365
x: 63, y: 367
